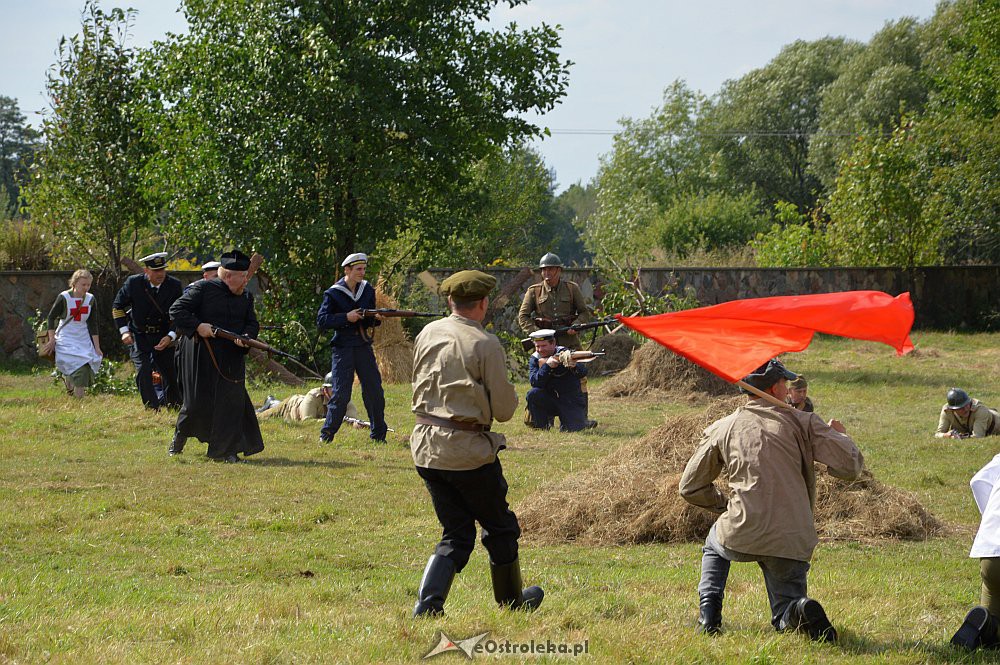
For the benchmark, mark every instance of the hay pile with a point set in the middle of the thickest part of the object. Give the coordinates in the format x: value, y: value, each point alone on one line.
x: 617, y: 351
x: 656, y: 368
x: 393, y: 350
x: 631, y: 497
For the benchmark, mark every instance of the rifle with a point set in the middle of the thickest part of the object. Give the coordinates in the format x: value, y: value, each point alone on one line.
x: 362, y: 423
x: 528, y: 344
x: 222, y: 333
x: 395, y: 313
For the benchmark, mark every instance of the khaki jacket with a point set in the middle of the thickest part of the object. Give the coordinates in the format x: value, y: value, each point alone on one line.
x: 982, y: 421
x: 303, y: 407
x: 459, y: 373
x: 564, y: 305
x: 768, y: 452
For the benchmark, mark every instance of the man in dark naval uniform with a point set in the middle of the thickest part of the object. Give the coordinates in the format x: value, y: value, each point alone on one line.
x: 217, y: 408
x: 352, y: 348
x: 556, y: 386
x: 146, y: 329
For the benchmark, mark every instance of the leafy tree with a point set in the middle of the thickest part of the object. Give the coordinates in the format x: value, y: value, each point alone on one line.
x: 869, y: 95
x: 18, y: 142
x: 711, y: 221
x: 309, y: 129
x: 86, y: 180
x: 879, y: 214
x: 970, y: 83
x: 652, y: 161
x: 761, y: 124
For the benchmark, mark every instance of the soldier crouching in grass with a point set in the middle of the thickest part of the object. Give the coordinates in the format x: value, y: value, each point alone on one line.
x: 460, y: 386
x: 768, y: 452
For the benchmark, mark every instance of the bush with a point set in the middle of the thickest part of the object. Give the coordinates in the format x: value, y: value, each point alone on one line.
x: 710, y: 221
x: 23, y: 247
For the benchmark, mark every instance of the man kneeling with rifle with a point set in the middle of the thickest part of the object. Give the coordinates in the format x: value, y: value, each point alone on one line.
x: 555, y: 373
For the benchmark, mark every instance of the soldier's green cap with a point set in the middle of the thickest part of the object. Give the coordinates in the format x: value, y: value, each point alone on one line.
x: 468, y: 285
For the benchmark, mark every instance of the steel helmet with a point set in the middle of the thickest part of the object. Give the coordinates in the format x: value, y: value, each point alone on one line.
x: 957, y: 398
x: 328, y: 380
x: 550, y: 260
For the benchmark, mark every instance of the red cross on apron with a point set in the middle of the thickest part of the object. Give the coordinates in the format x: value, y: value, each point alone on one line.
x: 78, y: 311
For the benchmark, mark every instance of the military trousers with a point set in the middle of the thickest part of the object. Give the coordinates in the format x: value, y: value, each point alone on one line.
x: 989, y: 570
x: 785, y: 579
x: 544, y: 406
x: 161, y: 361
x: 462, y: 498
x: 344, y: 363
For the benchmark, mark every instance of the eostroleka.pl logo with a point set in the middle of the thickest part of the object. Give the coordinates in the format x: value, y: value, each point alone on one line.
x: 478, y: 644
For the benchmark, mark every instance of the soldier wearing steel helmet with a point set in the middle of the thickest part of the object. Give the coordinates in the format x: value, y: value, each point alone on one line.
x: 310, y: 406
x: 553, y: 303
x: 963, y: 417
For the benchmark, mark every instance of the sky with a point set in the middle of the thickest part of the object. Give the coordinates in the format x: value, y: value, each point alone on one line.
x: 625, y: 52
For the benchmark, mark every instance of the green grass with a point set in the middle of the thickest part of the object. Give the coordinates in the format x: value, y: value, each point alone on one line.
x: 112, y: 552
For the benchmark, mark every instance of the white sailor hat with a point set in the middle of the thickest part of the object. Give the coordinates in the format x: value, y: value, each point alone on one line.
x: 211, y: 265
x: 157, y: 261
x: 544, y: 333
x: 357, y: 257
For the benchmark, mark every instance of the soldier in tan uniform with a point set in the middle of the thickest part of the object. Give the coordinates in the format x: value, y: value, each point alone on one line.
x: 768, y: 452
x: 460, y: 387
x: 553, y: 303
x: 963, y: 417
x: 310, y: 406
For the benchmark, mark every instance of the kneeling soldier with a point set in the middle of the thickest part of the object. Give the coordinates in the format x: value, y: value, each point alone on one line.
x: 557, y: 386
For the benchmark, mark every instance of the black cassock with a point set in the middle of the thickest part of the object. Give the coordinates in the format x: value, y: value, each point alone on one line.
x: 217, y: 408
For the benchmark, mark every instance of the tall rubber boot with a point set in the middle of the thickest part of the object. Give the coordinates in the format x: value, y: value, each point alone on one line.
x: 978, y: 630
x: 434, y: 587
x: 807, y: 615
x: 508, y: 589
x: 710, y: 614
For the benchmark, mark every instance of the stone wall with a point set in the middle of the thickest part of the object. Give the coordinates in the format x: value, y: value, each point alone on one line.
x: 945, y: 298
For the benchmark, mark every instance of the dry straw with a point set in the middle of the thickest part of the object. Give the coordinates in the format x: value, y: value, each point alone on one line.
x: 393, y: 349
x: 632, y: 497
x: 654, y: 368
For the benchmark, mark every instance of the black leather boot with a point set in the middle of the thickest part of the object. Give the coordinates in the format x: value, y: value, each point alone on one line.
x: 508, y: 589
x: 177, y: 445
x: 807, y: 615
x: 434, y: 586
x: 710, y: 615
x: 978, y: 630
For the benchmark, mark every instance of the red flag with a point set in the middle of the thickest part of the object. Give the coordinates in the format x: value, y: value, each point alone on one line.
x: 734, y: 338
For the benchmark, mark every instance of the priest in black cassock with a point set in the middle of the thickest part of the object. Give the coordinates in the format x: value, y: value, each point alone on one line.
x: 217, y: 408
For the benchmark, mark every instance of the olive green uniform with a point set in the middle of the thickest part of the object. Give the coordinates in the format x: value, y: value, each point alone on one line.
x: 561, y: 306
x: 981, y: 421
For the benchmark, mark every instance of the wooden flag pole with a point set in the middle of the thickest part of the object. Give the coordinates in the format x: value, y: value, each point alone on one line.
x: 760, y: 393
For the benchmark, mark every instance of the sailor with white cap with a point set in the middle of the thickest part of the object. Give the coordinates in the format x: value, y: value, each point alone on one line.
x: 210, y: 270
x: 352, y: 349
x: 556, y: 388
x: 140, y: 312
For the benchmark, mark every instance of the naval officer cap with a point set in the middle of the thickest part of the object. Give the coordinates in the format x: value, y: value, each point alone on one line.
x: 357, y: 257
x: 468, y: 285
x: 211, y: 265
x: 157, y: 261
x: 544, y: 333
x: 234, y: 260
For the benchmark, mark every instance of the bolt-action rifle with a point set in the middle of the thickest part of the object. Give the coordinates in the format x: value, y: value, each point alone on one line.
x: 222, y: 333
x: 361, y: 424
x: 528, y: 344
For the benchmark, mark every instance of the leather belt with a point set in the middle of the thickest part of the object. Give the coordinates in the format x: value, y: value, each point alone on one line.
x: 451, y: 424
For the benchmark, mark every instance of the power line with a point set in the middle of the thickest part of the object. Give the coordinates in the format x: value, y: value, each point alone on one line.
x: 789, y: 133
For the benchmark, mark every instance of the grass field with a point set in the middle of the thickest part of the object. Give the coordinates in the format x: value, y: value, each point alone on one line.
x: 112, y: 552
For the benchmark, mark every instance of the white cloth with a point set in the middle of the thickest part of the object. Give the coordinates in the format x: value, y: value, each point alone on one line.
x: 986, y: 491
x: 74, y: 347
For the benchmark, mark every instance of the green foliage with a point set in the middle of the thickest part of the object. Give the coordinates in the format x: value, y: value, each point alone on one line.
x: 23, y: 246
x: 715, y: 220
x: 622, y: 295
x: 761, y: 124
x: 794, y: 241
x: 107, y: 381
x: 875, y: 85
x: 970, y: 84
x: 878, y: 213
x: 307, y: 130
x: 86, y: 180
x: 18, y: 142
